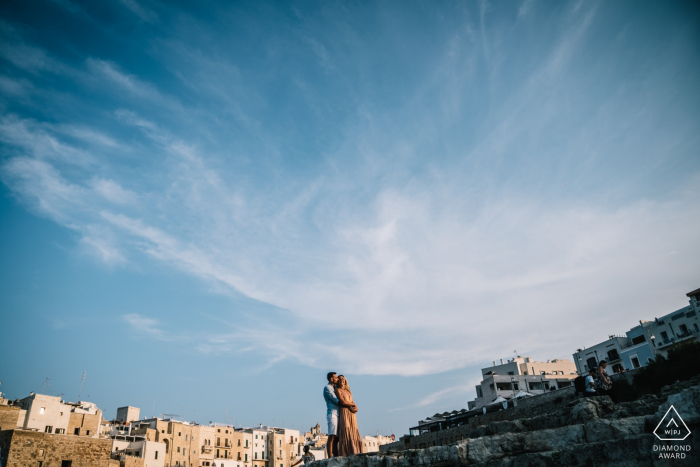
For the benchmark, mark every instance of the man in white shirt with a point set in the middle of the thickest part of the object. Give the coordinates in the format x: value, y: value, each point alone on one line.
x: 590, y: 384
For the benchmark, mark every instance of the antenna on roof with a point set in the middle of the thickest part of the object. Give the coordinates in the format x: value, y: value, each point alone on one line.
x: 45, y: 385
x: 81, y: 386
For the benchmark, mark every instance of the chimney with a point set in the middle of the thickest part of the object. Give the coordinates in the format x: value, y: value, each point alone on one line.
x: 494, y: 363
x: 501, y: 361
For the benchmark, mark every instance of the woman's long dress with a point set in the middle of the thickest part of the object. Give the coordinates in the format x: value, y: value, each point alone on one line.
x: 349, y: 441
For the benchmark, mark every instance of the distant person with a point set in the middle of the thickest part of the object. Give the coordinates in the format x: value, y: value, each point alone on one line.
x: 332, y: 404
x: 590, y: 384
x: 603, y: 383
x: 349, y: 441
x: 305, y: 458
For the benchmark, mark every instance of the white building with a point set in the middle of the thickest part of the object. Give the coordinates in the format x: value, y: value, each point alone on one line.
x: 152, y: 453
x: 522, y: 374
x: 44, y: 413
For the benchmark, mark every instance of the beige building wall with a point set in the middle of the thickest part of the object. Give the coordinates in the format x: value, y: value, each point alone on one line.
x: 128, y: 414
x: 9, y: 417
x: 181, y: 442
x: 284, y: 447
x: 231, y: 444
x: 206, y: 444
x: 84, y: 424
x: 28, y: 448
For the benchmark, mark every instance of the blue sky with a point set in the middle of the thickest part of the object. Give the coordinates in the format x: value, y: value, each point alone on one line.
x: 206, y: 206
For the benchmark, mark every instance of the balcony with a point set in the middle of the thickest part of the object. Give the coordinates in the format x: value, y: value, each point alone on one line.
x: 207, y: 449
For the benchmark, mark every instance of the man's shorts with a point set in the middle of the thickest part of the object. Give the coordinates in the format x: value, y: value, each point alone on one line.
x: 332, y: 424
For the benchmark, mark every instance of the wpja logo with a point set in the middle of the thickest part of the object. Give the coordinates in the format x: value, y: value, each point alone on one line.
x: 672, y: 428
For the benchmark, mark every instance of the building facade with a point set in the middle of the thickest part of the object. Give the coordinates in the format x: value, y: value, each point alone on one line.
x: 644, y: 342
x: 128, y: 414
x: 522, y: 374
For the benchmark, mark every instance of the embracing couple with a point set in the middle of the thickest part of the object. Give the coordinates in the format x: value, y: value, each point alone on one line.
x: 343, y: 435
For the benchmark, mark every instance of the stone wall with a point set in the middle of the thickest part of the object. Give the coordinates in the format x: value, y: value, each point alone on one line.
x: 27, y: 448
x: 526, y: 407
x: 86, y: 424
x: 9, y: 417
x: 583, y: 432
x: 131, y: 461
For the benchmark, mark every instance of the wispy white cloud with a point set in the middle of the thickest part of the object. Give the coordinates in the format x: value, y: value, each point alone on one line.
x: 145, y: 14
x: 148, y: 326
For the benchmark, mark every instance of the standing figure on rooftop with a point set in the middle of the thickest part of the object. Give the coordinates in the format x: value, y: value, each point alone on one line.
x: 349, y: 441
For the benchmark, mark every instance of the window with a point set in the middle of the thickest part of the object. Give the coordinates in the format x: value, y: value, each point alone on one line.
x: 256, y: 436
x: 280, y: 442
x: 542, y: 373
x: 246, y: 457
x: 87, y: 432
x: 256, y: 455
x: 638, y: 340
x: 613, y: 355
x: 178, y: 449
x: 66, y: 463
x: 179, y: 434
x: 592, y: 362
x: 664, y: 336
x: 684, y: 329
x: 185, y: 437
x: 156, y: 455
x: 42, y: 410
x: 635, y: 361
x: 62, y: 431
x: 41, y: 453
x: 511, y: 373
x: 48, y: 429
x: 217, y: 453
x: 246, y: 443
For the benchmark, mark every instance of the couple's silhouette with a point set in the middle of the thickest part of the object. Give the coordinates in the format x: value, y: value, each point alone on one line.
x: 343, y: 435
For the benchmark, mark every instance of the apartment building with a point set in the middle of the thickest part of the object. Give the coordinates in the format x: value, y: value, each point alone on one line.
x: 372, y: 443
x: 181, y: 439
x: 49, y: 414
x: 610, y: 350
x: 518, y: 374
x: 644, y: 342
x: 679, y: 326
x: 259, y: 446
x: 232, y: 444
x: 137, y: 450
x: 283, y: 447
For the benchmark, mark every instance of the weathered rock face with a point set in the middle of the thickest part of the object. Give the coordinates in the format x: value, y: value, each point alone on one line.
x: 584, y: 432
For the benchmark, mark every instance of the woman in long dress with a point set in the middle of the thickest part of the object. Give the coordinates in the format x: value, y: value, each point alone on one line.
x: 349, y: 441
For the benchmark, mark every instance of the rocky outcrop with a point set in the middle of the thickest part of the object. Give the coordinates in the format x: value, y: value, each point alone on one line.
x: 584, y: 432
